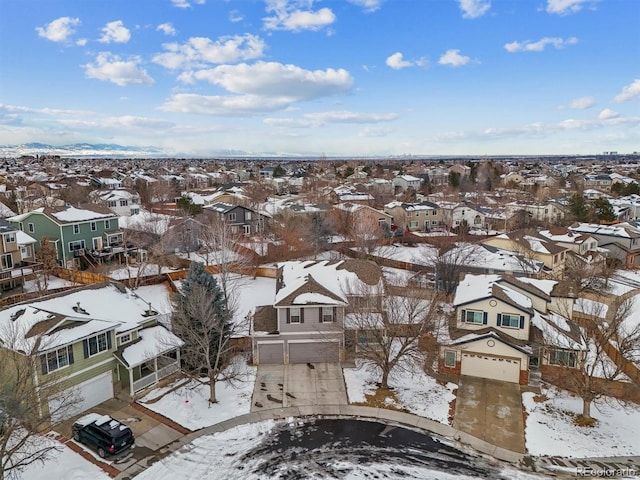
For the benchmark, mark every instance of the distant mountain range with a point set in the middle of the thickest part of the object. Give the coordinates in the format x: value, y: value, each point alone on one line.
x: 81, y: 150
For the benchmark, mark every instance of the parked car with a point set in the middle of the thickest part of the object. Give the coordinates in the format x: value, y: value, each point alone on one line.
x: 106, y: 435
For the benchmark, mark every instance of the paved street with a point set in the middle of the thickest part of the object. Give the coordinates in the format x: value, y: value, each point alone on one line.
x: 297, y: 385
x: 492, y: 411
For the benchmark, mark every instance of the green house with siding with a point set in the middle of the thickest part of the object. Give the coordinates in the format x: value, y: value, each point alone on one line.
x: 76, y: 232
x: 101, y: 341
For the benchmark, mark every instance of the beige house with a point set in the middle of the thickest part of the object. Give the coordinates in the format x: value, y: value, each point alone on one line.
x: 533, y: 246
x: 423, y: 216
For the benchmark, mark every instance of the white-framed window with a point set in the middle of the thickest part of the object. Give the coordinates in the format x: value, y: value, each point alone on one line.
x: 10, y: 237
x: 294, y: 315
x: 112, y: 204
x: 232, y: 217
x: 7, y: 261
x: 563, y: 358
x: 327, y: 315
x: 450, y: 358
x: 96, y: 344
x: 107, y: 224
x: 413, y: 224
x: 125, y: 338
x: 21, y: 226
x: 94, y: 226
x: 247, y: 229
x: 76, y: 229
x: 247, y: 215
x: 76, y: 245
x: 510, y: 320
x: 124, y: 203
x: 57, y: 359
x: 473, y: 316
x: 31, y: 227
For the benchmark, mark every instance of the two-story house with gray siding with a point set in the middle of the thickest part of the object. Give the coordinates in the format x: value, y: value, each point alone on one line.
x: 242, y: 220
x: 85, y: 234
x: 305, y: 324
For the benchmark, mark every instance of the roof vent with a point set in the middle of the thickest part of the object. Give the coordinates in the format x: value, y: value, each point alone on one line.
x: 78, y: 309
x: 149, y: 312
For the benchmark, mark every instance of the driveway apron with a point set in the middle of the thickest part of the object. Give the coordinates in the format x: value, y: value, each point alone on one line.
x: 491, y: 410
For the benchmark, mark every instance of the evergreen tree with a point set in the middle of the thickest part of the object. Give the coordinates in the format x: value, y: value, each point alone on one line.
x: 603, y: 211
x: 278, y: 171
x: 578, y: 207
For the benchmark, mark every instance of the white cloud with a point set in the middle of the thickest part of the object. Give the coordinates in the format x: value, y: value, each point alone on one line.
x: 277, y: 80
x: 629, y: 92
x: 111, y: 68
x: 166, y: 28
x: 235, y: 16
x: 397, y: 62
x: 579, y: 103
x: 115, y: 32
x: 181, y: 3
x: 59, y: 30
x: 564, y: 7
x: 296, y: 15
x: 540, y: 45
x: 262, y: 87
x: 453, y: 58
x: 200, y: 51
x: 607, y: 114
x: 474, y: 8
x: 131, y: 121
x: 344, y: 116
x: 374, y: 132
x: 368, y: 5
x: 81, y: 42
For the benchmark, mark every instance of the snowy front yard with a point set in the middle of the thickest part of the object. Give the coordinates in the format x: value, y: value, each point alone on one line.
x: 416, y: 392
x: 189, y: 404
x: 550, y: 429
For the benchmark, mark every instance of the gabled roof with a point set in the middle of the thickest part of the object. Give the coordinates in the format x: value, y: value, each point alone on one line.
x: 70, y: 214
x: 490, y: 333
x: 474, y: 288
x: 556, y: 331
x: 325, y: 282
x: 151, y: 342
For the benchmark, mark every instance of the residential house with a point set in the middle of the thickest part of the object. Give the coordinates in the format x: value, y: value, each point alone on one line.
x: 100, y: 340
x: 404, y: 182
x: 84, y: 234
x: 241, y: 219
x: 351, y: 215
x: 533, y: 246
x: 423, y: 216
x: 123, y: 203
x: 622, y: 240
x: 549, y: 212
x: 14, y: 269
x: 600, y: 181
x: 491, y: 332
x: 305, y: 324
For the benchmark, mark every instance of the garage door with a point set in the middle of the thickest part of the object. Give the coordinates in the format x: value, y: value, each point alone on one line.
x: 270, y: 353
x: 486, y: 366
x: 323, y: 352
x: 88, y: 394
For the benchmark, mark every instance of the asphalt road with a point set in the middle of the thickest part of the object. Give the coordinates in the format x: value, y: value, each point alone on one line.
x: 333, y: 448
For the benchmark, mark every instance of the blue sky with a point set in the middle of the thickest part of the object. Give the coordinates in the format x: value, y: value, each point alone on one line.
x: 357, y: 77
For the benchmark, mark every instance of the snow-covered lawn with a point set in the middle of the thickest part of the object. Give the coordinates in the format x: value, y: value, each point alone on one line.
x: 550, y: 429
x: 52, y: 283
x: 134, y: 271
x: 63, y: 463
x: 416, y: 391
x: 189, y: 405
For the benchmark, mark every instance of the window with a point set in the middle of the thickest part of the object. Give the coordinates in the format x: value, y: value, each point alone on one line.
x: 510, y: 320
x: 450, y: 358
x: 563, y: 357
x: 247, y: 216
x: 106, y: 224
x: 56, y: 359
x: 327, y: 314
x: 97, y: 344
x: 112, y: 204
x: 294, y: 315
x: 7, y: 261
x: 417, y: 214
x: 472, y: 316
x: 21, y: 226
x: 94, y: 226
x: 31, y: 227
x: 76, y: 229
x: 124, y: 338
x: 124, y: 203
x: 232, y: 217
x: 247, y: 229
x: 76, y: 245
x: 413, y: 224
x: 10, y: 237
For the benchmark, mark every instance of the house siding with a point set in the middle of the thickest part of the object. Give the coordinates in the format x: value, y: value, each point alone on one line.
x: 311, y: 321
x: 492, y: 318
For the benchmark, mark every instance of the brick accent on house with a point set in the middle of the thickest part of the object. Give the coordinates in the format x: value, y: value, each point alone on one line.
x: 449, y: 370
x: 524, y: 377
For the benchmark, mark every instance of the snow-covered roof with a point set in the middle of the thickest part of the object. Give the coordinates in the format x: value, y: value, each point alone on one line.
x: 541, y: 284
x: 23, y: 238
x: 557, y: 332
x: 590, y: 307
x: 478, y: 287
x: 623, y: 230
x: 153, y: 342
x: 73, y: 214
x: 146, y: 221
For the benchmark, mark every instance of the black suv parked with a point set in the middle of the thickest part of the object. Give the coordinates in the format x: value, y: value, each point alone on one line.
x: 106, y: 435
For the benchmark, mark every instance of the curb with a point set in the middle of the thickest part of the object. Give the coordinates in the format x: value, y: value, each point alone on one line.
x: 161, y: 418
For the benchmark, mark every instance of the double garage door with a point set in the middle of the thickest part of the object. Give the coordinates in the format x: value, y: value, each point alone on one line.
x: 88, y: 394
x: 494, y: 367
x: 321, y: 352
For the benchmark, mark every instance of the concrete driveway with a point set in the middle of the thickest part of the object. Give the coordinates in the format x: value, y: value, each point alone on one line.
x: 298, y: 384
x: 490, y: 410
x: 151, y: 433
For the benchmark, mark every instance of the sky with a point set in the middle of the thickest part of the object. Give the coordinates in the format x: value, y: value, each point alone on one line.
x: 311, y: 77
